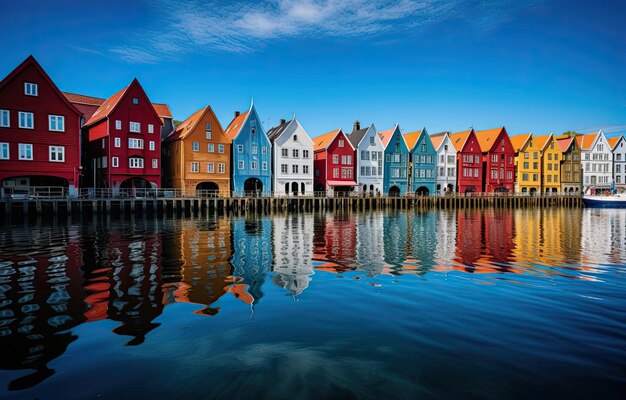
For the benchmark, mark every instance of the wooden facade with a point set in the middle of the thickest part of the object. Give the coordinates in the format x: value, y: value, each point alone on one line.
x: 570, y: 165
x: 498, y: 157
x: 333, y: 163
x: 550, y: 163
x: 469, y: 161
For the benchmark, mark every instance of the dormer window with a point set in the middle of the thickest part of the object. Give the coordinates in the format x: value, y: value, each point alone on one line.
x: 135, y: 100
x: 31, y: 89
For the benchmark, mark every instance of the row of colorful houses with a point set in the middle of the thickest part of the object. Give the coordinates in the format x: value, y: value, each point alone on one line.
x: 54, y: 138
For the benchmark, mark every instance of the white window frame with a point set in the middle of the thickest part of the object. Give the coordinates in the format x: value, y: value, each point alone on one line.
x: 26, y: 114
x: 115, y: 162
x: 195, y: 146
x: 240, y: 164
x: 28, y: 89
x: 56, y: 150
x: 134, y: 143
x: 134, y: 127
x: 195, y: 167
x: 211, y: 148
x: 135, y: 162
x: 254, y: 164
x: 220, y: 148
x: 3, y: 146
x: 21, y: 153
x: 240, y: 148
x: 155, y: 163
x: 5, y: 118
x: 117, y: 142
x: 150, y: 128
x: 210, y: 168
x: 152, y: 145
x: 221, y: 168
x: 118, y: 124
x: 56, y: 119
x: 264, y: 150
x: 264, y: 166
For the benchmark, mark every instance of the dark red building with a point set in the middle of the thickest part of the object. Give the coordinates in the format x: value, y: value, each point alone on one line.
x: 498, y: 164
x: 39, y: 132
x: 469, y: 161
x: 333, y: 163
x: 122, y: 140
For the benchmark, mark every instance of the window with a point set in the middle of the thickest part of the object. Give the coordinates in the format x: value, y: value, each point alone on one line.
x: 526, y: 164
x: 423, y: 147
x: 4, y: 151
x: 526, y: 155
x: 295, y: 138
x: 295, y: 153
x: 103, y: 162
x: 283, y: 168
x: 388, y: 157
x: 305, y: 154
x: 150, y: 128
x: 211, y: 148
x: 221, y: 168
x: 5, y: 118
x: 115, y: 162
x: 210, y: 168
x: 135, y: 162
x: 152, y: 145
x: 118, y: 142
x: 476, y: 161
x: 284, y: 153
x: 220, y: 148
x: 103, y: 141
x: 341, y: 143
x: 135, y: 100
x: 494, y: 158
x: 240, y: 164
x: 348, y: 160
x: 56, y: 153
x: 264, y: 165
x: 535, y: 155
x: 56, y: 123
x: 118, y: 124
x: 335, y: 159
x: 254, y: 149
x: 135, y: 144
x: 264, y: 150
x: 195, y: 146
x: 135, y: 126
x: 25, y: 151
x: 254, y: 164
x: 335, y: 172
x: 195, y: 167
x: 207, y: 130
x: 305, y: 169
x: 239, y: 148
x: 550, y: 156
x: 26, y: 120
x: 30, y: 89
x: 294, y: 169
x: 509, y: 175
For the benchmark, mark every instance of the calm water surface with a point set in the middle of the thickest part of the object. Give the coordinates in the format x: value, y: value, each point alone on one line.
x: 399, y: 305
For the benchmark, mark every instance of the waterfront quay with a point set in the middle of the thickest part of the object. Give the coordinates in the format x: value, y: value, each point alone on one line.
x: 171, y: 202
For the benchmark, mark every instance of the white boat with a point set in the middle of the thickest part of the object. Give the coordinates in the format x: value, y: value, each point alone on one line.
x: 603, y: 201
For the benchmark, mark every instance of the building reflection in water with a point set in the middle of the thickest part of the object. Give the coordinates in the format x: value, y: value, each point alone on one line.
x: 55, y: 277
x: 293, y: 251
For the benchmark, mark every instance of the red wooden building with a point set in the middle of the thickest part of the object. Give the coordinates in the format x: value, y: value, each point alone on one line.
x: 39, y: 132
x: 469, y: 161
x: 498, y: 160
x: 122, y: 139
x: 333, y: 163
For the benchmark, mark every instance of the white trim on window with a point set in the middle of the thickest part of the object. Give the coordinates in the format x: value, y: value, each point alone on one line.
x: 134, y: 143
x: 26, y: 120
x: 135, y: 127
x: 5, y: 118
x: 118, y: 142
x: 195, y: 167
x: 155, y: 163
x: 56, y: 153
x: 220, y: 148
x: 115, y: 162
x: 25, y: 151
x: 118, y: 124
x: 5, y: 151
x: 150, y: 128
x: 210, y: 168
x: 135, y: 162
x: 152, y: 145
x: 56, y: 123
x: 221, y: 168
x: 31, y: 89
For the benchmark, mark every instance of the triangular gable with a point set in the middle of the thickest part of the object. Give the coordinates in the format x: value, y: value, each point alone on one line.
x: 459, y: 139
x: 613, y: 142
x: 597, y: 138
x: 235, y: 126
x: 438, y: 139
x: 543, y: 141
x: 301, y: 127
x: 189, y: 125
x: 423, y: 133
x: 386, y: 136
x: 488, y: 138
x: 31, y: 61
x: 519, y: 142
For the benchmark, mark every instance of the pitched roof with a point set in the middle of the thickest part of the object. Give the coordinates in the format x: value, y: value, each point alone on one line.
x: 542, y: 141
x: 275, y: 132
x: 385, y: 136
x: 487, y: 138
x: 411, y: 138
x: 187, y: 126
x: 356, y: 136
x: 518, y: 141
x: 586, y: 141
x: 565, y: 143
x: 82, y: 99
x: 613, y: 141
x: 437, y: 139
x: 106, y: 107
x: 163, y: 110
x: 458, y: 139
x: 89, y: 105
x: 323, y: 141
x: 30, y: 60
x: 235, y: 125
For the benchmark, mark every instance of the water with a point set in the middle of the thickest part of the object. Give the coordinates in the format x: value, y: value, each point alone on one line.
x: 399, y: 305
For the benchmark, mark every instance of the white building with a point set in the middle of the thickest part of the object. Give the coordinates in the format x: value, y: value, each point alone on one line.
x: 618, y: 146
x: 446, y: 162
x: 597, y: 161
x: 369, y: 151
x: 293, y: 252
x: 292, y: 159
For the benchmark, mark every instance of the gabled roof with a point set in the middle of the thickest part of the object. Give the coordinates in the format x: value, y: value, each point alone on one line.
x: 438, y: 138
x: 163, y: 110
x: 110, y: 104
x: 586, y: 141
x: 386, y: 136
x: 412, y: 137
x: 458, y: 139
x: 235, y: 125
x: 542, y: 141
x: 30, y: 60
x: 565, y: 143
x: 614, y: 141
x: 82, y: 99
x: 519, y: 141
x: 275, y: 132
x: 356, y: 136
x: 323, y: 141
x: 89, y: 105
x: 487, y: 138
x: 189, y: 125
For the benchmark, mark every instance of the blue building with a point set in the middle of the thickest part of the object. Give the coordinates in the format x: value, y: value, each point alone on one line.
x: 423, y: 177
x: 395, y: 182
x: 251, y: 154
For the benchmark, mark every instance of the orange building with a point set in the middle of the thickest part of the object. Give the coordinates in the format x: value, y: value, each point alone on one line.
x: 197, y: 156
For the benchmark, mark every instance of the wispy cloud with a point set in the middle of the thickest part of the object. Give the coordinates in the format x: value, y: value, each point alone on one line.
x: 243, y: 26
x: 86, y: 50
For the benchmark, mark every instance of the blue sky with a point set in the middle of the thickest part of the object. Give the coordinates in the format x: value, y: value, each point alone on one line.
x: 531, y: 65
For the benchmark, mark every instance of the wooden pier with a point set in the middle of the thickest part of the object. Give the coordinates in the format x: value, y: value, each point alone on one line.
x: 29, y: 208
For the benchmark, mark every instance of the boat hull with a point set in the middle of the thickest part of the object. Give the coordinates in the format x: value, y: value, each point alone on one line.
x: 604, y: 202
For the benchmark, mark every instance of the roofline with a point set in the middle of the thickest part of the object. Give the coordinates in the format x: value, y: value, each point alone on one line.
x: 86, y: 104
x: 445, y: 135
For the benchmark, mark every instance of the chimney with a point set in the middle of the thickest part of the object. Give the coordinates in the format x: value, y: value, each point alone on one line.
x: 282, y: 121
x: 237, y: 114
x: 357, y: 125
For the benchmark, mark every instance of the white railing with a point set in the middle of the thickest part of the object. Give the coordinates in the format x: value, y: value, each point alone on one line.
x: 33, y: 192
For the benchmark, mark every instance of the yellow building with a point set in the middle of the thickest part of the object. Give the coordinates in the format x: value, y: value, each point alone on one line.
x: 527, y: 163
x: 197, y: 156
x: 551, y: 155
